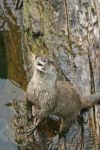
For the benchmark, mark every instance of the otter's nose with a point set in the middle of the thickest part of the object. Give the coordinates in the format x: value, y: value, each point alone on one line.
x: 44, y: 60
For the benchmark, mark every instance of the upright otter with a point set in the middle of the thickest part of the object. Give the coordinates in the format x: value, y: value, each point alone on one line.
x: 54, y: 97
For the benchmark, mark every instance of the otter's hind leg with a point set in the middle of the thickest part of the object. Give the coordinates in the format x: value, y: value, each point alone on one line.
x: 64, y: 127
x: 42, y: 115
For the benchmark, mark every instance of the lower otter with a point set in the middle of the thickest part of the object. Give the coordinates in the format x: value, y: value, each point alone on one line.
x: 54, y: 97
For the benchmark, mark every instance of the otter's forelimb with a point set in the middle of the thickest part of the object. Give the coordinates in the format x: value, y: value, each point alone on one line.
x: 29, y: 110
x: 42, y: 115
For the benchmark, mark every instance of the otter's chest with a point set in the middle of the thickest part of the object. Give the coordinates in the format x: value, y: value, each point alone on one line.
x: 42, y: 97
x: 40, y: 94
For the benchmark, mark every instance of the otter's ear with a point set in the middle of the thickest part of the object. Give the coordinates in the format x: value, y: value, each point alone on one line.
x: 52, y: 62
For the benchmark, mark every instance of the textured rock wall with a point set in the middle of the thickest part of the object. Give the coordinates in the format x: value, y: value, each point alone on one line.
x: 68, y: 31
x: 10, y: 43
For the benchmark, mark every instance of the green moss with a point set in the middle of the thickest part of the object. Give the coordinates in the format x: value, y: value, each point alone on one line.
x: 39, y: 47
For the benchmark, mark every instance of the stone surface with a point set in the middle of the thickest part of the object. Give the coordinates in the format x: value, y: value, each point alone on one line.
x: 68, y: 31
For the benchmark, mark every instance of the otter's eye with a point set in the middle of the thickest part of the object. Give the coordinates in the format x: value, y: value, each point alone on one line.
x: 52, y: 62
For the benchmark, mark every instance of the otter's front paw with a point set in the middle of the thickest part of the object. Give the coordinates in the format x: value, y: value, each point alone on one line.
x: 53, y: 143
x: 30, y: 131
x: 35, y: 113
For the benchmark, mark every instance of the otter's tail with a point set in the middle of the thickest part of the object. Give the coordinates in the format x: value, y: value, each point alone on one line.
x: 89, y: 101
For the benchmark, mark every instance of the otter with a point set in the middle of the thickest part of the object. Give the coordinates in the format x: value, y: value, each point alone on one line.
x: 54, y: 97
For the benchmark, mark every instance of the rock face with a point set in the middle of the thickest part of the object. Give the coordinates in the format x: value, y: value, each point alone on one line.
x: 68, y: 31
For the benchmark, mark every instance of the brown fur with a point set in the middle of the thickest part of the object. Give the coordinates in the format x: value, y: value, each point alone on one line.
x: 55, y: 97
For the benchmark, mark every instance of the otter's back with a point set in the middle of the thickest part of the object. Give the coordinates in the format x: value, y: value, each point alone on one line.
x: 68, y: 99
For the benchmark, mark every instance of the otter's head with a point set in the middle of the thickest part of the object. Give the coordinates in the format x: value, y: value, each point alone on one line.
x: 44, y: 65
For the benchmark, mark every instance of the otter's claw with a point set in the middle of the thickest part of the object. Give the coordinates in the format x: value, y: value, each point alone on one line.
x: 35, y: 113
x: 53, y: 143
